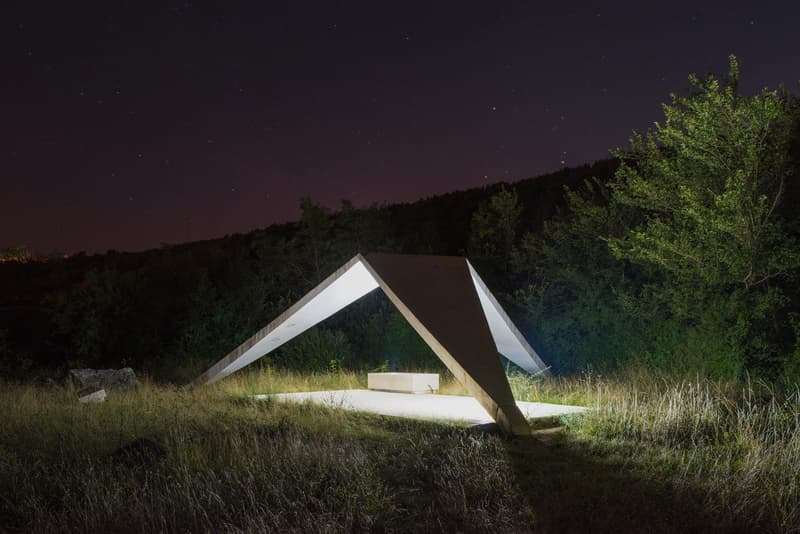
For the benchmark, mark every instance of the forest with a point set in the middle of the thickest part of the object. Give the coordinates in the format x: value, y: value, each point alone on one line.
x: 678, y: 254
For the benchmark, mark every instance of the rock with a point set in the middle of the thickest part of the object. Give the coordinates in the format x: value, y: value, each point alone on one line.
x: 92, y: 394
x: 123, y: 378
x: 141, y: 452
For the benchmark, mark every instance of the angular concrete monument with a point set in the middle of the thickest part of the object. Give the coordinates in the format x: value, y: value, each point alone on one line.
x: 443, y: 299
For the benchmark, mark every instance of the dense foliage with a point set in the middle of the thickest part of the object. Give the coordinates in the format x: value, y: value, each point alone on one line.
x: 681, y: 254
x: 684, y: 259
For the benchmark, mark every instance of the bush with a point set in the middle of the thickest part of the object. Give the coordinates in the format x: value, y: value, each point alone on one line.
x: 317, y: 349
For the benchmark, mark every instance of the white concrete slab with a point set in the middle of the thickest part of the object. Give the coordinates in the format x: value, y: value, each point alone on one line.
x: 404, y: 382
x: 417, y: 406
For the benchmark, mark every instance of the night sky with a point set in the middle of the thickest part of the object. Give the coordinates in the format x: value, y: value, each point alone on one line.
x: 126, y: 126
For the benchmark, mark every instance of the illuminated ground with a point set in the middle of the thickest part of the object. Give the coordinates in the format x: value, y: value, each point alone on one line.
x: 417, y: 406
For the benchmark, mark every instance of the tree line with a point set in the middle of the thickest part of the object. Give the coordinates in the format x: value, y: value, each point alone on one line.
x: 678, y: 254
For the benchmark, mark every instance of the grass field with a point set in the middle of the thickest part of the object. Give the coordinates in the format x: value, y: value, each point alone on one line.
x: 656, y: 454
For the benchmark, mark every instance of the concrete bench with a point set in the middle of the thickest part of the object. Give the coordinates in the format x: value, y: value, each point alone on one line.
x: 404, y: 382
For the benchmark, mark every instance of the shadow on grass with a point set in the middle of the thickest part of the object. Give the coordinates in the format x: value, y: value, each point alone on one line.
x: 572, y: 489
x: 568, y: 485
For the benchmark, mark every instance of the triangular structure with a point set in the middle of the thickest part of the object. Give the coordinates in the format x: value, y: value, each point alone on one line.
x: 443, y: 299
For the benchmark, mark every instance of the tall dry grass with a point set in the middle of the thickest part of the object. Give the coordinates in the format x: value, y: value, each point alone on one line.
x: 739, y: 442
x: 730, y: 450
x: 240, y: 465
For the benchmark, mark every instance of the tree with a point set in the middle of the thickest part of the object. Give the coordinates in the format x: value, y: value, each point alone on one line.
x: 316, y: 226
x: 574, y: 294
x: 709, y: 181
x: 708, y: 184
x: 494, y: 227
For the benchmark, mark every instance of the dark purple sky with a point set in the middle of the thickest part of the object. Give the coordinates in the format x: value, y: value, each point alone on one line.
x: 124, y: 126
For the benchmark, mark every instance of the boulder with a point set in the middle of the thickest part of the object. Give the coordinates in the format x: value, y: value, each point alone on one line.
x: 92, y: 394
x: 123, y: 378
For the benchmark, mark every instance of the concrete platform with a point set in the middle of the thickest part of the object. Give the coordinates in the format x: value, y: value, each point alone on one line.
x: 417, y: 406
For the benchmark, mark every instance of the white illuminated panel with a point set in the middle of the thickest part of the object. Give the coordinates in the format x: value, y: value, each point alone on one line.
x: 507, y: 338
x: 338, y: 291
